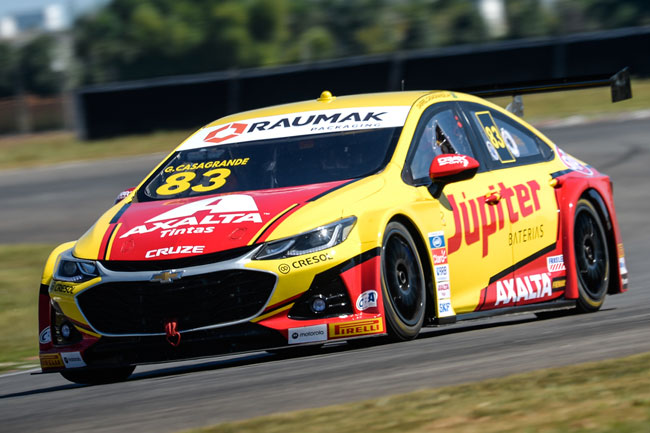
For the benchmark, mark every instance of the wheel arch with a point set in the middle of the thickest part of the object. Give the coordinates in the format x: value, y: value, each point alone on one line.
x: 594, y: 197
x: 598, y: 192
x: 425, y: 259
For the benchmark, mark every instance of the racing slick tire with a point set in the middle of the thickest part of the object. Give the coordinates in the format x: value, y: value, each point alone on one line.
x: 402, y: 283
x: 99, y: 376
x: 592, y: 257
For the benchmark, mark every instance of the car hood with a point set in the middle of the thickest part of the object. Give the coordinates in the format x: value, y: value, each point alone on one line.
x: 170, y: 229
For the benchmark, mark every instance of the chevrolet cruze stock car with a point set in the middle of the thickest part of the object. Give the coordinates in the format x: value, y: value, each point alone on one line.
x: 328, y: 220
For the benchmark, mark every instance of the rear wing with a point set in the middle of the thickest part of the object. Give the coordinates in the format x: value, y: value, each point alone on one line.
x: 619, y: 83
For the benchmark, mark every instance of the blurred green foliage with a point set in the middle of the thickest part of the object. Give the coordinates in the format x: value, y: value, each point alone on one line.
x: 131, y: 39
x: 30, y: 65
x: 134, y: 39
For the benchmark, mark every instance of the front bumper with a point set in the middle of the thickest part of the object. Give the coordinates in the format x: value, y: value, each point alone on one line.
x: 231, y: 306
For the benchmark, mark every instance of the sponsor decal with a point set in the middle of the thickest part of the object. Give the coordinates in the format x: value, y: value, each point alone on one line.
x: 439, y: 256
x: 513, y: 290
x: 621, y: 265
x: 573, y: 163
x: 45, y: 336
x: 187, y: 231
x: 61, y: 288
x: 188, y: 218
x: 426, y: 99
x: 225, y: 132
x: 621, y: 251
x: 444, y: 308
x: 526, y: 235
x: 304, y: 123
x: 51, y: 360
x: 367, y: 300
x: 284, y: 268
x: 437, y: 240
x: 308, y: 334
x: 443, y: 290
x: 357, y: 327
x: 308, y: 261
x: 206, y: 165
x: 441, y: 272
x: 475, y: 220
x: 171, y: 251
x: 453, y: 160
x: 124, y: 194
x: 555, y: 263
x: 495, y: 142
x: 73, y: 359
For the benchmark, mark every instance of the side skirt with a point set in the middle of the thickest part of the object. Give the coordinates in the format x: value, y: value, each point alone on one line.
x: 536, y: 308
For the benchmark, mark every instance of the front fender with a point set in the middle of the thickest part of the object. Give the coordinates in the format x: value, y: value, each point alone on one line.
x: 48, y: 271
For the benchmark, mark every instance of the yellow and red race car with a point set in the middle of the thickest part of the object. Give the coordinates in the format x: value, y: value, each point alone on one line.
x: 326, y: 220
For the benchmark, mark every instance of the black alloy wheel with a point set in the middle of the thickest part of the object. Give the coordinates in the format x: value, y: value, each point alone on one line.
x: 403, y: 283
x: 592, y: 257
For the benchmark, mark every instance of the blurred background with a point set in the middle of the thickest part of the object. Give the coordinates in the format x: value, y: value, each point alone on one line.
x: 57, y: 56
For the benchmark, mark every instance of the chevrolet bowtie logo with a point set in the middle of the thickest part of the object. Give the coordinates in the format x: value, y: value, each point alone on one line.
x: 167, y: 276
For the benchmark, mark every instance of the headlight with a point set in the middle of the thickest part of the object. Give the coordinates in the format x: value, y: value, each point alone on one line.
x: 75, y: 270
x: 318, y: 239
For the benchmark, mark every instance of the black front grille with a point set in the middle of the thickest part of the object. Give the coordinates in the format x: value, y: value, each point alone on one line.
x: 143, y: 307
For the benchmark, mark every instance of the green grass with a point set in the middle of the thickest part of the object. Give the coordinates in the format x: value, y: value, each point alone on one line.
x: 609, y: 396
x: 53, y: 147
x: 20, y: 274
x: 588, y: 102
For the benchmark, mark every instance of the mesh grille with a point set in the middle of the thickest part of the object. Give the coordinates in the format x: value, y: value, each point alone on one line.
x: 143, y: 307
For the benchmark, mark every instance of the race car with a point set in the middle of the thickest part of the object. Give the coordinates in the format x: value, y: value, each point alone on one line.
x: 330, y: 220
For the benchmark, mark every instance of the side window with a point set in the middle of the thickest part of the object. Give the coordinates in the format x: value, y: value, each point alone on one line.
x: 439, y: 131
x: 507, y: 142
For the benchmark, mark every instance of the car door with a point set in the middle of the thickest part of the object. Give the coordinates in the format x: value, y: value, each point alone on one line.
x: 469, y: 240
x: 517, y: 160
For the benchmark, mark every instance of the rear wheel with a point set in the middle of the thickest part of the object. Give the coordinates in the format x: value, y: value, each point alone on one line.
x: 592, y: 257
x: 403, y: 283
x: 99, y: 376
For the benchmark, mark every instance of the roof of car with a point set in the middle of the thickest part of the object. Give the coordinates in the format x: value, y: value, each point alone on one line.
x: 328, y: 101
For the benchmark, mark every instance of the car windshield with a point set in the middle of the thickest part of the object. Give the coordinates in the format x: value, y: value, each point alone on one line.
x: 269, y: 164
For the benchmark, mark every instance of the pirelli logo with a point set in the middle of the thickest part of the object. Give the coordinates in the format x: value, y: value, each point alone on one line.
x: 358, y: 327
x: 51, y: 360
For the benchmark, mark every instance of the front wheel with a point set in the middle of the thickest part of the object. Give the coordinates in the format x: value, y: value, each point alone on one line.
x: 592, y: 257
x: 403, y: 285
x: 99, y: 376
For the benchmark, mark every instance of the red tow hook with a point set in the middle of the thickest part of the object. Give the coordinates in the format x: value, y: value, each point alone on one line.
x: 172, y: 335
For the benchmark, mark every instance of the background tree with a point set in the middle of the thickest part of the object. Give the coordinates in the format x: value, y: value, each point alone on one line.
x: 37, y: 66
x: 133, y: 39
x: 7, y: 70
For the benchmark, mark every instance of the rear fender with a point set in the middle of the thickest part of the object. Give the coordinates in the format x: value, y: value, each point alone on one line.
x: 598, y: 190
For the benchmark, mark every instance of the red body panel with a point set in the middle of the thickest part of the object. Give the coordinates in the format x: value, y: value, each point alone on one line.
x: 569, y: 190
x: 202, y: 225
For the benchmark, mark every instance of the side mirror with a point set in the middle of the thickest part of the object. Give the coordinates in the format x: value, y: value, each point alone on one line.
x: 449, y: 168
x: 124, y: 194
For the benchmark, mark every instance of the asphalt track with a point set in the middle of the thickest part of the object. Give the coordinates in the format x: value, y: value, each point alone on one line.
x: 173, y: 397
